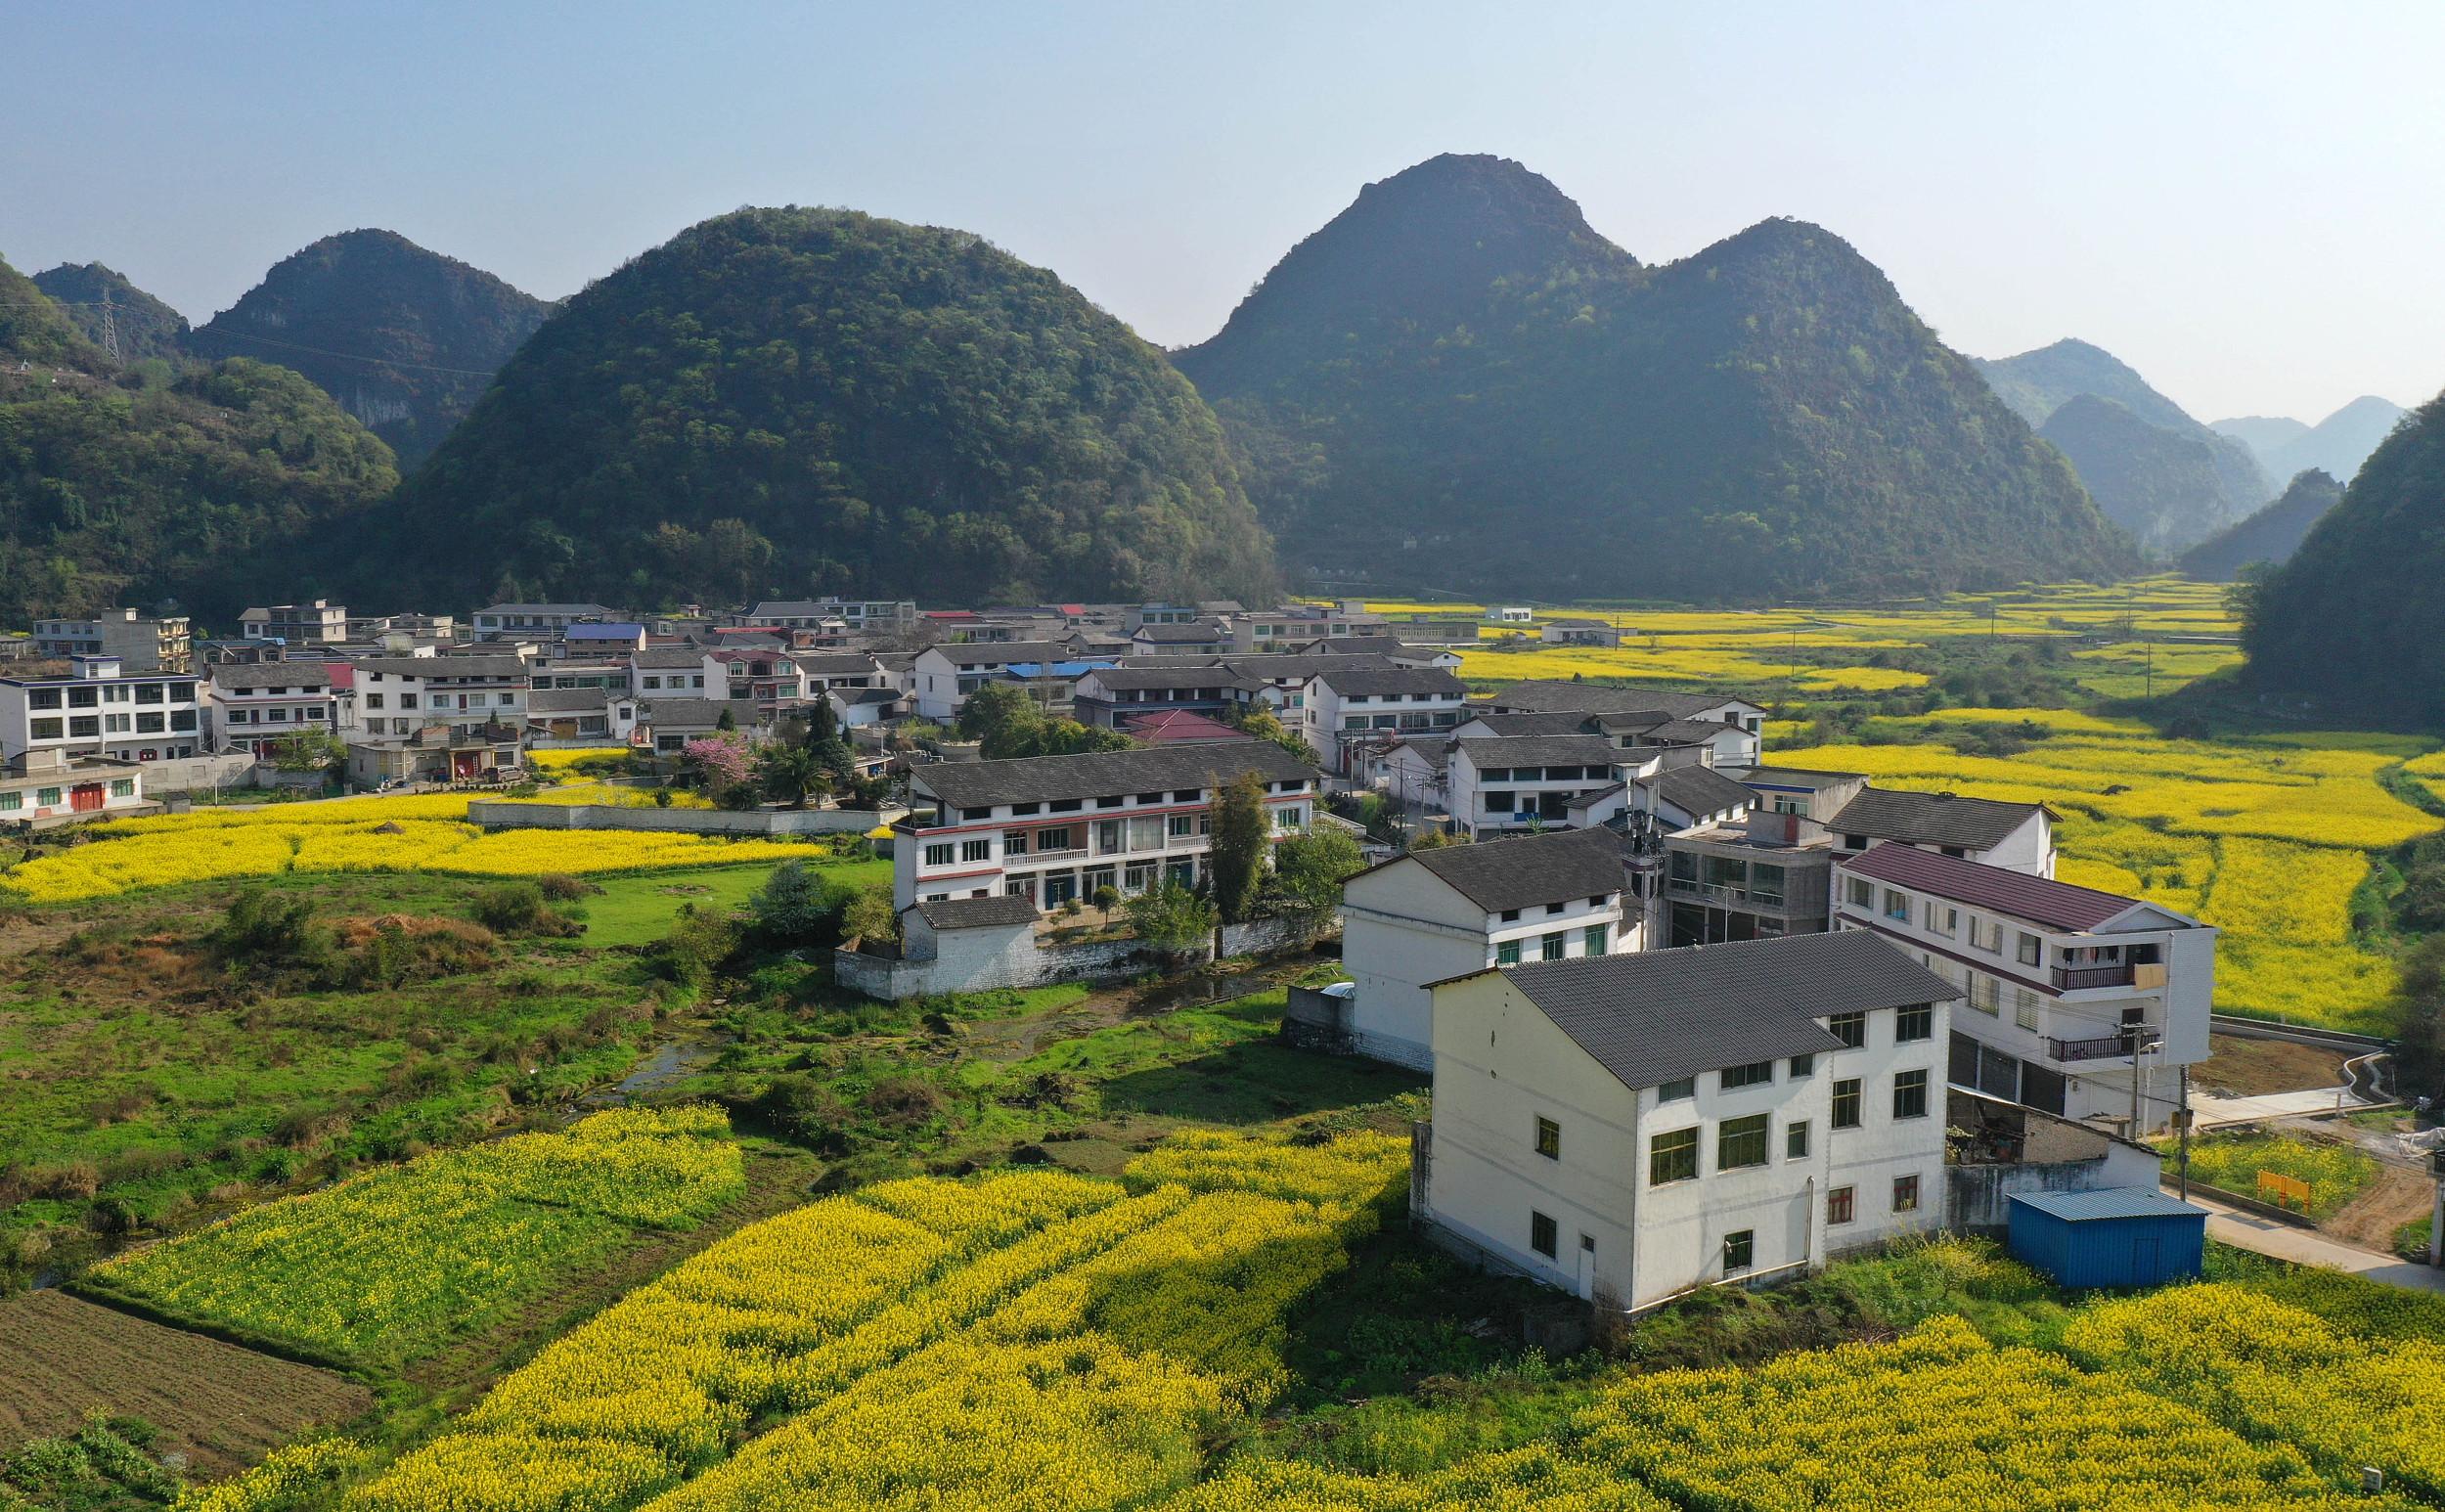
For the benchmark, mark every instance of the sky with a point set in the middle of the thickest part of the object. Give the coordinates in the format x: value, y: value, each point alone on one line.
x: 2243, y: 200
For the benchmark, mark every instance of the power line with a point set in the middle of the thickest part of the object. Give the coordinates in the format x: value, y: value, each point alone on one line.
x: 291, y: 347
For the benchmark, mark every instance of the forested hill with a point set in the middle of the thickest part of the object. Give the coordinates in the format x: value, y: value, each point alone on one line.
x: 132, y: 484
x: 2158, y: 491
x: 2272, y: 535
x: 1456, y: 383
x: 2353, y: 626
x: 781, y: 401
x: 2337, y: 444
x: 405, y: 339
x: 146, y: 326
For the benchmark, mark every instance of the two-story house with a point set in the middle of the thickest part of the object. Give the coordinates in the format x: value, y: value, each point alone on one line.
x: 676, y: 672
x: 1632, y: 1125
x: 1645, y: 716
x: 1053, y: 828
x: 944, y: 674
x: 2079, y: 1002
x: 139, y: 643
x: 43, y: 789
x: 253, y: 707
x: 2016, y: 836
x: 1346, y: 709
x: 537, y: 621
x: 320, y: 623
x: 1500, y: 786
x: 1110, y: 697
x: 1432, y: 915
x: 99, y: 710
x: 1749, y: 877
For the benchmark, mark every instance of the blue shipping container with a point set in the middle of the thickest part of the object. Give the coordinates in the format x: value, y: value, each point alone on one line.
x: 2120, y: 1237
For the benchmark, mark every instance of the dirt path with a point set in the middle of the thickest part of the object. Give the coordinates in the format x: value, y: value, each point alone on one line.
x: 2370, y: 1220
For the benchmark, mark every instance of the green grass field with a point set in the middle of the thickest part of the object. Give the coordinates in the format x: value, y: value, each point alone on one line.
x: 639, y: 909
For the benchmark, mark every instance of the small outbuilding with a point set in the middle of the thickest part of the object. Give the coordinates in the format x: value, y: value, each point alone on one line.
x: 2116, y: 1236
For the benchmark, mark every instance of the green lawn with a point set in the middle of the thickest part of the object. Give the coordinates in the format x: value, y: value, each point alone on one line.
x: 639, y: 909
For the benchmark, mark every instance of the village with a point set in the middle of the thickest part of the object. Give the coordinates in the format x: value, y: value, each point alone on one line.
x: 1689, y: 1018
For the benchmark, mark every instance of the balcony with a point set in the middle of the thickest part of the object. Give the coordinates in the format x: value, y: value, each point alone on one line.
x: 1066, y: 852
x: 1726, y: 892
x: 2102, y: 1047
x: 2072, y: 979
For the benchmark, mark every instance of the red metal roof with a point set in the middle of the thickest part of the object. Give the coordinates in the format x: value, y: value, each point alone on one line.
x: 2037, y: 899
x: 344, y: 675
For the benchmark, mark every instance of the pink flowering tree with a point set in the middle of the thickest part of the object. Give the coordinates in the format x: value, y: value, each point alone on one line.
x: 720, y: 762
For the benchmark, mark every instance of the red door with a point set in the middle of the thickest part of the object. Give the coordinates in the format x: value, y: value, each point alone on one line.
x: 86, y: 797
x: 466, y: 764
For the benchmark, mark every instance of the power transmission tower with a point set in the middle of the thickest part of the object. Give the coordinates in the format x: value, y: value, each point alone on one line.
x: 110, y: 328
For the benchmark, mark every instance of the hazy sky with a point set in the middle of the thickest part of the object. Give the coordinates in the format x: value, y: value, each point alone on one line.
x: 2246, y: 202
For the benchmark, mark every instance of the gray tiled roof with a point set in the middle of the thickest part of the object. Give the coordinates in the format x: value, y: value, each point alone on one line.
x: 660, y: 658
x: 1931, y: 819
x: 1655, y: 1017
x: 571, y: 700
x: 1556, y: 698
x: 1001, y: 653
x: 698, y: 713
x: 1541, y: 752
x: 1003, y: 909
x: 306, y: 675
x: 1199, y: 674
x: 1529, y: 871
x: 444, y: 666
x: 1105, y: 773
x: 1512, y: 726
x: 1432, y: 681
x: 1701, y: 790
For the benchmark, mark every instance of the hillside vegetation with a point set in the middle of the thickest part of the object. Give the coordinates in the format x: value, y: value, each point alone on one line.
x: 1458, y: 384
x: 403, y: 337
x: 2159, y: 474
x: 2353, y: 625
x: 792, y: 400
x: 2272, y: 535
x: 139, y: 483
x: 147, y: 328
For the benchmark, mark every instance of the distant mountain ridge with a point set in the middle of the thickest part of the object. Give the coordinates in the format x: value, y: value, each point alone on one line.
x: 2272, y: 535
x: 403, y: 337
x: 127, y: 483
x: 1456, y: 382
x: 2337, y: 444
x: 2158, y: 491
x: 779, y: 402
x: 145, y: 326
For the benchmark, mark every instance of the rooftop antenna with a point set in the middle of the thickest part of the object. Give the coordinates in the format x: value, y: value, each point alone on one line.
x: 109, y: 327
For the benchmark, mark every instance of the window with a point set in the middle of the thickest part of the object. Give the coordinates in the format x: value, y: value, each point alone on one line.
x: 10, y: 802
x: 1910, y: 1095
x: 1507, y: 954
x: 91, y: 724
x: 1740, y: 1250
x: 1542, y: 1236
x: 1858, y: 892
x: 1804, y: 1067
x: 1846, y: 1103
x: 1053, y: 839
x: 1841, y: 1205
x: 1795, y: 1139
x: 43, y: 699
x: 46, y: 796
x: 1740, y: 1143
x: 1672, y: 1157
x: 1548, y: 1139
x: 1915, y: 1023
x: 1511, y: 916
x: 1014, y: 842
x: 45, y: 729
x: 1849, y: 1028
x: 938, y: 854
x: 1677, y: 1091
x: 1942, y: 918
x: 2029, y: 948
x: 976, y: 850
x: 1182, y: 824
x: 373, y: 700
x: 1550, y: 947
x: 1983, y: 991
x: 2025, y: 1007
x: 1897, y: 905
x: 1905, y: 1194
x: 1756, y: 1073
x: 1988, y: 935
x: 1596, y: 939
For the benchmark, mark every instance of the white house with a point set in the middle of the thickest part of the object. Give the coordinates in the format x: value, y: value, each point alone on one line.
x: 1498, y: 787
x: 677, y: 671
x: 497, y: 621
x: 396, y: 697
x: 2016, y: 836
x: 98, y: 710
x: 1643, y: 716
x: 44, y: 789
x: 944, y: 674
x: 567, y: 717
x: 1348, y: 707
x: 1051, y: 829
x: 1630, y: 1127
x: 139, y: 643
x: 255, y: 706
x: 1437, y: 914
x: 1681, y: 797
x: 320, y: 623
x: 2058, y: 980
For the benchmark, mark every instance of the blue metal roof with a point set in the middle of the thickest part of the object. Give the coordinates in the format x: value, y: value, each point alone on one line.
x: 613, y: 631
x: 1054, y: 668
x: 2112, y: 1202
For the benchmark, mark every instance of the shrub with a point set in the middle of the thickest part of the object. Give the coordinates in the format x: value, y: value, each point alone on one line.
x: 560, y: 887
x: 871, y: 916
x: 263, y: 928
x: 697, y: 946
x: 901, y: 1104
x: 799, y: 1108
x: 798, y: 905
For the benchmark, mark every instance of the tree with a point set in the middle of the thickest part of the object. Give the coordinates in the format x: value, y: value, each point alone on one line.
x: 791, y: 774
x: 1171, y: 919
x: 719, y: 763
x: 1308, y: 871
x: 823, y: 739
x: 1265, y: 724
x: 1107, y: 898
x: 795, y: 904
x: 726, y: 721
x: 2418, y: 1010
x: 871, y: 916
x: 308, y: 750
x: 1004, y: 719
x: 1237, y: 858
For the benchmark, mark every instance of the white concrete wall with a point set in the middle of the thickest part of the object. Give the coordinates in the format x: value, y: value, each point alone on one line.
x: 1402, y: 929
x: 2028, y: 850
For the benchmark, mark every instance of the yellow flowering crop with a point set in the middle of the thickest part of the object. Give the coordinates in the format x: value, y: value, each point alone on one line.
x: 396, y: 1262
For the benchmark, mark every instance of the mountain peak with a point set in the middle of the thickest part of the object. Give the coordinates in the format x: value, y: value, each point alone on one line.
x: 145, y: 326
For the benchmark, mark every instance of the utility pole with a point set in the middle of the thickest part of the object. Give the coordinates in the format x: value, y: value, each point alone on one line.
x: 2182, y: 1126
x: 110, y: 328
x: 2436, y: 1209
